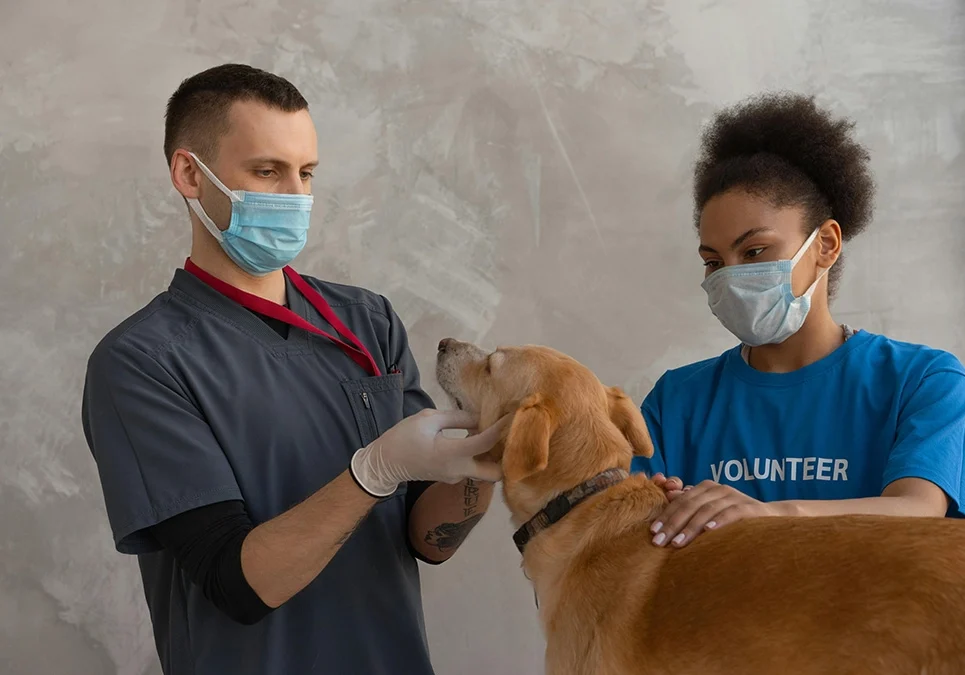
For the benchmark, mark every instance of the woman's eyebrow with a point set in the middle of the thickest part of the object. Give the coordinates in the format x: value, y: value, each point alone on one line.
x: 703, y: 248
x: 747, y: 235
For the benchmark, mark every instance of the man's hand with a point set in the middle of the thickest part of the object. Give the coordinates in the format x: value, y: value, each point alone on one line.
x: 707, y: 506
x: 415, y: 449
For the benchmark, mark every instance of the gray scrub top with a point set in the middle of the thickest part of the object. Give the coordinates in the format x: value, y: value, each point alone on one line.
x: 195, y: 400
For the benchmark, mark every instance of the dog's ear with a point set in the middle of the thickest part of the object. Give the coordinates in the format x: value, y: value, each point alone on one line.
x: 628, y: 419
x: 527, y: 446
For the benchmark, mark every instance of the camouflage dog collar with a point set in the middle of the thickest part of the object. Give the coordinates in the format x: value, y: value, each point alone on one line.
x: 560, y: 506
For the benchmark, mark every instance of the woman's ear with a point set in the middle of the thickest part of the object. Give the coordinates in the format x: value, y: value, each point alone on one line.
x: 829, y: 243
x: 527, y: 447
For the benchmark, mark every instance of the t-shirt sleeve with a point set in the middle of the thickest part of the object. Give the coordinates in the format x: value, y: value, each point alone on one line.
x: 155, y: 453
x: 651, y: 415
x: 400, y: 355
x: 930, y: 438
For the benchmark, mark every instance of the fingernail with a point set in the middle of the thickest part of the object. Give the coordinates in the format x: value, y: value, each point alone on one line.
x: 656, y: 527
x: 679, y: 539
x: 711, y: 525
x: 659, y: 539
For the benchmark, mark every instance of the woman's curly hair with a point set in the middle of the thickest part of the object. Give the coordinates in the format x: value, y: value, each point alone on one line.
x: 782, y: 147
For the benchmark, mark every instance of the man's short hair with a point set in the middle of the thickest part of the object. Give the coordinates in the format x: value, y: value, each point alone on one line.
x: 197, y: 113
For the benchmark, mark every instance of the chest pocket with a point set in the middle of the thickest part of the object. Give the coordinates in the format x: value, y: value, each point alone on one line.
x: 377, y: 405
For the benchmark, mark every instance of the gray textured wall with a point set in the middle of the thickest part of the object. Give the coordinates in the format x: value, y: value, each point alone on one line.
x: 509, y: 171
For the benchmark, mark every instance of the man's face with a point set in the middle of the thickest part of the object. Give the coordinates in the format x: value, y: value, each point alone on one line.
x: 264, y: 150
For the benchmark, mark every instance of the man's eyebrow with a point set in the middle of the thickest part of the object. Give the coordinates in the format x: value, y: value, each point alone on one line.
x: 266, y: 160
x: 737, y: 242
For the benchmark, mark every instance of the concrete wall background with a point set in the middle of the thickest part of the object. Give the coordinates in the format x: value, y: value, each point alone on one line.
x: 503, y: 171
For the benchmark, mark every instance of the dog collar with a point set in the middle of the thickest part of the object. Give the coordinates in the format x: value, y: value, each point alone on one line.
x: 560, y: 506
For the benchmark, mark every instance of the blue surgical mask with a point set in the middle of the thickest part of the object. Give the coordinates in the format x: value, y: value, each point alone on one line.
x: 755, y: 301
x: 266, y: 231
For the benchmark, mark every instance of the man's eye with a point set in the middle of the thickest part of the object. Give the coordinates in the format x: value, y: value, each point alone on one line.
x: 307, y: 175
x: 265, y: 173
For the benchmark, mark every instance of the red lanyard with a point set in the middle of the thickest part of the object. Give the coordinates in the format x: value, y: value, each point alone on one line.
x: 356, y: 350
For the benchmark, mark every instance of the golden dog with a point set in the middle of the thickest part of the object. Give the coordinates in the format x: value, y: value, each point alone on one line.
x: 809, y: 596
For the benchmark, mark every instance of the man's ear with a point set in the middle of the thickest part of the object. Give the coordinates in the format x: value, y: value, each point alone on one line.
x: 527, y: 446
x: 628, y: 419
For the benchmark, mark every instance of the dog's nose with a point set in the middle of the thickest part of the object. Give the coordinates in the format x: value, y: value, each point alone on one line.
x: 444, y: 344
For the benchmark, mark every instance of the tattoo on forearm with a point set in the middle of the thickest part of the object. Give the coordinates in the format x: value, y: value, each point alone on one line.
x: 346, y: 535
x: 449, y: 536
x: 470, y: 498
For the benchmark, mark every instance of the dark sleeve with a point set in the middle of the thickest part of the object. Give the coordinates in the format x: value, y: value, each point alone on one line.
x: 412, y: 494
x: 156, y: 455
x: 206, y: 542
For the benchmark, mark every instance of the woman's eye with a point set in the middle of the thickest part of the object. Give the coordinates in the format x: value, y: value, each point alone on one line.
x: 711, y: 264
x: 754, y: 252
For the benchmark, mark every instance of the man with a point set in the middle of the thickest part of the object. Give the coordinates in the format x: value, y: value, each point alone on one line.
x: 262, y: 440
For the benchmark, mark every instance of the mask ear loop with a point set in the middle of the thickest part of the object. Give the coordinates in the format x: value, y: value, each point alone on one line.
x: 196, y: 204
x: 794, y: 261
x: 214, y: 179
x: 804, y: 247
x: 797, y: 257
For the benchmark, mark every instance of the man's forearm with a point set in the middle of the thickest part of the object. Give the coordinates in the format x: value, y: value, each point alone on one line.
x: 445, y: 514
x: 283, y: 555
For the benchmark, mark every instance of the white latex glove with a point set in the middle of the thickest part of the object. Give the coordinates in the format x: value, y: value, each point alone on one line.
x: 415, y: 449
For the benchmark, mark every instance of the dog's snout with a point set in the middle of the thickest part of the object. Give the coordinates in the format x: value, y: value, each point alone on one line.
x: 444, y: 344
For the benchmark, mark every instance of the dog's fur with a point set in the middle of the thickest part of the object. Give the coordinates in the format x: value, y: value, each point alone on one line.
x: 808, y: 596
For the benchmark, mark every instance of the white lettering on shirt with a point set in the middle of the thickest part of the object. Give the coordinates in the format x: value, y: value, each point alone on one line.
x: 735, y: 465
x: 809, y: 468
x: 793, y: 461
x: 777, y: 467
x: 780, y: 470
x: 715, y: 471
x: 840, y: 469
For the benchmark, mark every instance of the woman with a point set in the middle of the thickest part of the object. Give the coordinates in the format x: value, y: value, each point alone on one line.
x: 806, y: 416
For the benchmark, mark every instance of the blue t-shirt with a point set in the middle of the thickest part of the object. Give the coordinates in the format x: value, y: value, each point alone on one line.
x: 871, y: 412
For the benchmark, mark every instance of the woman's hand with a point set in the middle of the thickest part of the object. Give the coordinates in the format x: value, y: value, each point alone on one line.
x: 670, y: 485
x: 707, y: 506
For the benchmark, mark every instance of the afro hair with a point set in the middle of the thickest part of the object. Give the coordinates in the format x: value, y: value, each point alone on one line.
x: 784, y: 148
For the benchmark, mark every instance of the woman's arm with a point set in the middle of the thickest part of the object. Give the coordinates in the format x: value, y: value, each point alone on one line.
x: 710, y: 506
x: 904, y: 497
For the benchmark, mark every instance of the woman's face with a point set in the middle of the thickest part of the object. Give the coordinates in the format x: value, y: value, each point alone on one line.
x: 737, y: 228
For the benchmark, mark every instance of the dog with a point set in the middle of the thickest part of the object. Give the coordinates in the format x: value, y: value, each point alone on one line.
x: 831, y: 595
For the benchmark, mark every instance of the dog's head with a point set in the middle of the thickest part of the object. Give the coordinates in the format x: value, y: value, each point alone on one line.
x: 566, y: 426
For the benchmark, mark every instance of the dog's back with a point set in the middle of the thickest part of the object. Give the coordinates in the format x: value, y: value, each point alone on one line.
x: 850, y: 594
